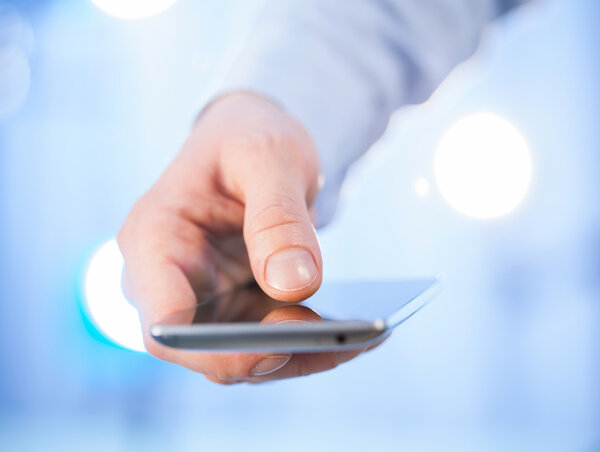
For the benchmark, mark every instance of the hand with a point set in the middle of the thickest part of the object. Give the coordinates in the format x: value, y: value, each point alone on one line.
x: 233, y: 205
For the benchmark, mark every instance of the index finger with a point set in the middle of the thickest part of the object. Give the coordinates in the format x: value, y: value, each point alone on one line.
x: 158, y: 285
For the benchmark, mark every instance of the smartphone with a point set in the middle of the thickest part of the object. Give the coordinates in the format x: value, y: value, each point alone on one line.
x: 354, y: 314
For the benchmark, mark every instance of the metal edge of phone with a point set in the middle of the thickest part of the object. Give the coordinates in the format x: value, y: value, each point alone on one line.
x: 299, y: 337
x: 246, y: 336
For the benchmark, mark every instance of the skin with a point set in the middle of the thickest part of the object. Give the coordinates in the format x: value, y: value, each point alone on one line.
x: 239, y: 192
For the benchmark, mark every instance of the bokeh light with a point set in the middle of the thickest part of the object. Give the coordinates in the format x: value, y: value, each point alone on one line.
x: 106, y: 305
x: 422, y: 186
x: 483, y: 166
x: 133, y: 9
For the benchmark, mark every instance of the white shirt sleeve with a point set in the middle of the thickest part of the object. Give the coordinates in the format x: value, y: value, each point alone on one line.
x: 342, y: 67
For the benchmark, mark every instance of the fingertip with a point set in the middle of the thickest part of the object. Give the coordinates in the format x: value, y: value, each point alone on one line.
x: 225, y: 382
x: 270, y: 364
x: 293, y: 313
x: 292, y: 274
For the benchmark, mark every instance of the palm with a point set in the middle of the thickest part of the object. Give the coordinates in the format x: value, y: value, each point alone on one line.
x: 210, y: 249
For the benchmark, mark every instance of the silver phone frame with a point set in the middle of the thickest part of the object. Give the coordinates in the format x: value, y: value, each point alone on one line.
x: 289, y: 337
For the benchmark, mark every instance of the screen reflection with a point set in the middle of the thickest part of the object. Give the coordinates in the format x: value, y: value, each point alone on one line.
x: 340, y: 301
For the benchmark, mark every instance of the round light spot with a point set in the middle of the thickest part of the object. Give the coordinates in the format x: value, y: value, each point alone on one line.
x: 422, y: 186
x: 106, y: 305
x: 133, y: 9
x: 483, y: 166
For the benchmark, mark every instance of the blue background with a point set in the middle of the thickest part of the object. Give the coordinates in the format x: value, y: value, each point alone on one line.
x: 507, y: 358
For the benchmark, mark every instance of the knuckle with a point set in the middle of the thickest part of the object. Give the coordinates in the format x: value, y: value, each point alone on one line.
x: 279, y: 213
x: 258, y: 141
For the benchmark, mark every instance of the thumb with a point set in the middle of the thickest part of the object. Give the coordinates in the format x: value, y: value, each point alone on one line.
x: 282, y: 243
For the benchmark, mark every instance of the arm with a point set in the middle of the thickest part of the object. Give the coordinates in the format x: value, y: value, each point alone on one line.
x: 343, y: 67
x: 233, y: 205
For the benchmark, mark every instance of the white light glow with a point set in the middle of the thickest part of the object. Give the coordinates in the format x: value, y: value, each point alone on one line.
x: 483, y: 166
x: 133, y: 9
x: 422, y: 186
x: 112, y: 314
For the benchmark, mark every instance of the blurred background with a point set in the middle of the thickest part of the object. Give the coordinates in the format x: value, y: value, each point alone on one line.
x: 93, y: 105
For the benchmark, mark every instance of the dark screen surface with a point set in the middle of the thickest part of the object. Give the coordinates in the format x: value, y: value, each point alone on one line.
x: 336, y: 300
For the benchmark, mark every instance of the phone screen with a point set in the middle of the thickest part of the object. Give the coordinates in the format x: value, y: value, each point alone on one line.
x: 337, y: 301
